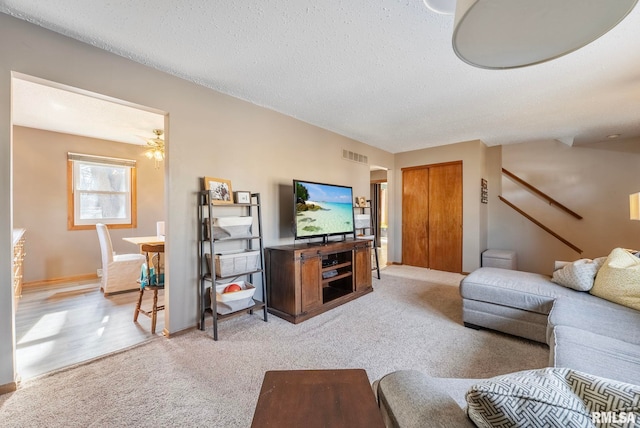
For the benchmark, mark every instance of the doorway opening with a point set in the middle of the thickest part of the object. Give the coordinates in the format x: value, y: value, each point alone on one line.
x: 62, y: 317
x: 380, y: 212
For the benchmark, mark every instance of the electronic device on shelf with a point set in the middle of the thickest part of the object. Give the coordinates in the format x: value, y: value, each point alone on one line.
x: 329, y: 262
x: 322, y: 210
x: 329, y: 274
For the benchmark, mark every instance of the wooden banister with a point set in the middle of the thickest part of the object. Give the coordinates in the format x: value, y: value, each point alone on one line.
x: 542, y: 226
x: 540, y: 193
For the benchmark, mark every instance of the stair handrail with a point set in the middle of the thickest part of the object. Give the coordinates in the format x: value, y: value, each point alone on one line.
x: 542, y: 226
x: 540, y: 193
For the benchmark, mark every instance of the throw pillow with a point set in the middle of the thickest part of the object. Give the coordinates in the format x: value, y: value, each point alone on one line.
x: 618, y: 280
x: 550, y: 397
x: 526, y: 399
x: 605, y: 395
x: 578, y: 275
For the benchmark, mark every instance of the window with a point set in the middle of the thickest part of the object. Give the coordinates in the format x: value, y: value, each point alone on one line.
x: 100, y: 190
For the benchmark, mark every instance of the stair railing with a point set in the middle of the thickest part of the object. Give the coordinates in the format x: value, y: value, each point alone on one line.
x: 540, y: 193
x: 550, y: 200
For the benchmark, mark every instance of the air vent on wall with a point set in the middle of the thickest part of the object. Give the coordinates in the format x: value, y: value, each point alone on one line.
x: 355, y: 157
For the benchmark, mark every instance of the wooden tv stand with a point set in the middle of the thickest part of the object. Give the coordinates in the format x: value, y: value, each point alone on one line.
x: 304, y: 280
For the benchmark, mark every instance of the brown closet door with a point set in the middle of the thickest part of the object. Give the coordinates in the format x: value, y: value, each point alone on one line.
x: 415, y: 217
x: 432, y: 216
x: 445, y: 217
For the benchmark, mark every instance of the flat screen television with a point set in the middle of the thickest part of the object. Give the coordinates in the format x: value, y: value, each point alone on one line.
x: 322, y: 210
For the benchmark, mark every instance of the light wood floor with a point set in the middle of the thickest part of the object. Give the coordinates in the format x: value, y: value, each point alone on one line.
x: 58, y: 326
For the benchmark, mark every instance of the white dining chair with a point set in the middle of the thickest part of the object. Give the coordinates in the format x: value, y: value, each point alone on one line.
x: 119, y: 272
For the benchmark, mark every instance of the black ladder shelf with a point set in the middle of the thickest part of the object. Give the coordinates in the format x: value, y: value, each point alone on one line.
x: 371, y: 231
x: 208, y: 247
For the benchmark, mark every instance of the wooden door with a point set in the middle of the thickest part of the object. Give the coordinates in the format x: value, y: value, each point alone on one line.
x: 362, y: 266
x: 432, y: 216
x: 445, y: 217
x: 310, y: 282
x: 415, y: 217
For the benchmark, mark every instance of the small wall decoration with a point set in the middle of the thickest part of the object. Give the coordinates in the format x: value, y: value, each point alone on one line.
x: 484, y: 191
x: 221, y: 188
x: 361, y: 201
x: 242, y: 197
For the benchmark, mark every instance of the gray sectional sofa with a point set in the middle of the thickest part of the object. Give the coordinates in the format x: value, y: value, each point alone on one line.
x: 584, y: 333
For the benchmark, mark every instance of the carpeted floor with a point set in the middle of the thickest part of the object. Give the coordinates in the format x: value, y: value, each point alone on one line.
x: 411, y: 321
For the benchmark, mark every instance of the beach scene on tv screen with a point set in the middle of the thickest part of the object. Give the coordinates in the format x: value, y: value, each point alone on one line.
x: 322, y: 209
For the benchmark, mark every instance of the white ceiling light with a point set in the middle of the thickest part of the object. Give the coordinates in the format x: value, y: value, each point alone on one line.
x: 499, y: 34
x: 443, y: 7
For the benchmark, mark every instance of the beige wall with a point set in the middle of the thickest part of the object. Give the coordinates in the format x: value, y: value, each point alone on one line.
x: 378, y: 175
x: 474, y: 214
x: 53, y: 251
x: 208, y: 134
x: 594, y: 181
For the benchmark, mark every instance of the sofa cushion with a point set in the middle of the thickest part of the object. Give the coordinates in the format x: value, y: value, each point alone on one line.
x: 507, y: 319
x: 597, y: 316
x: 596, y: 354
x: 578, y: 275
x: 523, y: 290
x: 548, y: 397
x: 408, y: 398
x: 618, y: 280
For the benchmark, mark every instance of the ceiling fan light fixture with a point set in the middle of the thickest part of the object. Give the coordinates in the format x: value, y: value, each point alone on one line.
x: 504, y: 34
x: 155, y: 147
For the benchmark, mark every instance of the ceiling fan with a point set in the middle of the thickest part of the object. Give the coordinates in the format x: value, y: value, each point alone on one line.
x: 155, y: 147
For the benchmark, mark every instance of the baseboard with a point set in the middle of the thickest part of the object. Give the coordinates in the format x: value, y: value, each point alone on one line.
x: 10, y: 387
x: 55, y: 281
x: 169, y: 335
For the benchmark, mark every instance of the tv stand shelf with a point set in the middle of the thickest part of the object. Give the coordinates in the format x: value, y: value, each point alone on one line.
x: 327, y: 281
x: 305, y: 280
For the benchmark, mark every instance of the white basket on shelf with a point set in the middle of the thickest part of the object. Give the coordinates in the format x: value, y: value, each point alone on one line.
x: 236, y: 300
x: 229, y: 263
x: 232, y: 227
x: 362, y: 220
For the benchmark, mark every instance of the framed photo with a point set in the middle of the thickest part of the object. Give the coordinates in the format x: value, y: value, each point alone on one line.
x: 221, y: 188
x: 242, y: 197
x: 361, y: 201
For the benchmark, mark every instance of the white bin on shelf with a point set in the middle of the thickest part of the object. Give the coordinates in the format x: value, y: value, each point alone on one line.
x: 232, y: 227
x: 234, y: 301
x: 362, y: 220
x: 231, y: 263
x: 504, y: 259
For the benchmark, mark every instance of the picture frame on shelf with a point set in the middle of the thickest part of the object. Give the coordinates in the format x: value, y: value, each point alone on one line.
x: 242, y: 197
x: 222, y: 193
x: 361, y: 201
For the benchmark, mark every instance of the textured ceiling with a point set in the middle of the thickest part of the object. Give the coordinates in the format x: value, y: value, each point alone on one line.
x: 381, y: 72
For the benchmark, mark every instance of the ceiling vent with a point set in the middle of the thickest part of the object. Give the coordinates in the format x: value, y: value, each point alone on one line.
x: 355, y: 157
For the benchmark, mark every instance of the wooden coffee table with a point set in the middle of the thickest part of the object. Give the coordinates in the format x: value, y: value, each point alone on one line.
x: 317, y: 398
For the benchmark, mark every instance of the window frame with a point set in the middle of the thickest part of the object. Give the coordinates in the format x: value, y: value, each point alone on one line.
x: 72, y: 158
